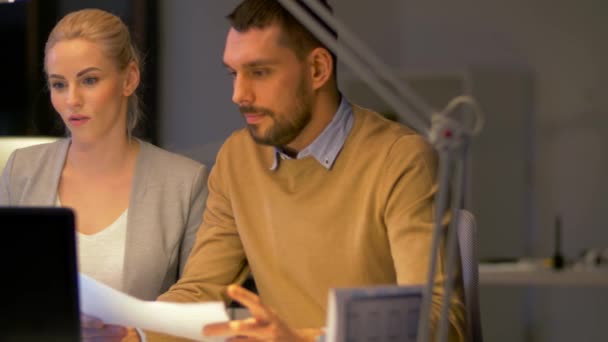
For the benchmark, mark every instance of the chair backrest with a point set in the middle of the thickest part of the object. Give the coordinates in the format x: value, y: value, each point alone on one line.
x: 467, y: 241
x: 10, y: 143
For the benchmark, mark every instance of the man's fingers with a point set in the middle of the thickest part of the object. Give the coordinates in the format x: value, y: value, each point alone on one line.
x: 248, y: 327
x: 261, y: 326
x: 249, y: 300
x: 217, y: 329
x: 229, y: 328
x: 243, y: 339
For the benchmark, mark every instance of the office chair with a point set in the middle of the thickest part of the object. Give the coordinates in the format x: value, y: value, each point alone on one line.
x: 10, y: 143
x: 466, y: 229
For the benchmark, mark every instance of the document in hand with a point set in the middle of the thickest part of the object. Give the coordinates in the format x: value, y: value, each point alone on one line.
x: 178, y: 319
x: 379, y: 313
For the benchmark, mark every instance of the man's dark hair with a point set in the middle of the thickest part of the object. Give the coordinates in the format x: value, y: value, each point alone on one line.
x: 263, y: 13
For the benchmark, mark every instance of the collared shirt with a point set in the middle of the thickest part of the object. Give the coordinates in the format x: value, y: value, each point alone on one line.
x: 329, y: 143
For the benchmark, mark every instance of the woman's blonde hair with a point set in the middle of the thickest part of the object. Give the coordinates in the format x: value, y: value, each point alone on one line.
x: 110, y: 32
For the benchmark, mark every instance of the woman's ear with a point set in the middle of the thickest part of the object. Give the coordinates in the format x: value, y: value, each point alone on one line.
x: 322, y: 67
x: 132, y: 78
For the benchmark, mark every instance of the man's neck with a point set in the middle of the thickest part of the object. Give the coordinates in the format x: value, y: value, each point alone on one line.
x: 323, y: 110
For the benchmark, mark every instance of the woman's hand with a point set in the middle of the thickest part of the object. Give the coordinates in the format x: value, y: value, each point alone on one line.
x: 94, y: 330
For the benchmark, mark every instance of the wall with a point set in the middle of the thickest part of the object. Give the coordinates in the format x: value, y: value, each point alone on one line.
x: 561, y: 43
x: 197, y: 113
x: 120, y: 8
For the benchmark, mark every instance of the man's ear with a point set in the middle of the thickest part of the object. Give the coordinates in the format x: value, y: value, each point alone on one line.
x: 132, y: 78
x: 321, y: 67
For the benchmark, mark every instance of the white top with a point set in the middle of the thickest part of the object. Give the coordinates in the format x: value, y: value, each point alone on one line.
x: 101, y: 255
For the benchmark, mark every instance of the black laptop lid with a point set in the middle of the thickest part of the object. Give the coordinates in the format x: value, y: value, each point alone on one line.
x: 38, y: 286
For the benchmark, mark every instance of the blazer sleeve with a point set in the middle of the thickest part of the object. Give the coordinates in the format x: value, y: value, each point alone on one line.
x: 5, y: 181
x: 409, y: 215
x: 198, y: 197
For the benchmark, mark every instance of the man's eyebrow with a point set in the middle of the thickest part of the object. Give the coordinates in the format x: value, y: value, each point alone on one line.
x: 256, y: 63
x: 261, y: 62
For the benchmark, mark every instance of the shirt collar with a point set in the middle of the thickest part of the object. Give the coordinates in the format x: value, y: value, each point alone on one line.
x: 326, y: 147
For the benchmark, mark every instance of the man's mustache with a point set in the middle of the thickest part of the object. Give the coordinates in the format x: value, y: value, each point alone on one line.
x: 255, y: 110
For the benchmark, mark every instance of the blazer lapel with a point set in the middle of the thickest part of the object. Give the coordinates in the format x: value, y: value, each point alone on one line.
x: 48, y: 179
x: 136, y: 224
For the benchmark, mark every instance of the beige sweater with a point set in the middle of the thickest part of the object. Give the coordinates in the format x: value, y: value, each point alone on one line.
x: 303, y: 229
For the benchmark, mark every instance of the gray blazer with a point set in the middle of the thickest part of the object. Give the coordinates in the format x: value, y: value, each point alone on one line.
x: 165, y: 208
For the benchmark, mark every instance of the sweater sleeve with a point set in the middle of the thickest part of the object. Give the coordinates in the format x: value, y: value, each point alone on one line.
x: 217, y: 258
x: 410, y: 185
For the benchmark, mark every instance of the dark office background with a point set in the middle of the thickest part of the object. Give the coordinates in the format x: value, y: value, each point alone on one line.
x: 25, y: 107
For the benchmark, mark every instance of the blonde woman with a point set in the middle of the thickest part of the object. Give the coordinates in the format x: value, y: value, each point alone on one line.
x: 137, y: 206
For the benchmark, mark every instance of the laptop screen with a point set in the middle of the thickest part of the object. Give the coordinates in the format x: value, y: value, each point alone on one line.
x: 39, y: 299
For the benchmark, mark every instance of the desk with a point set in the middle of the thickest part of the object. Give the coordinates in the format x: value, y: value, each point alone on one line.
x: 535, y: 303
x: 526, y: 275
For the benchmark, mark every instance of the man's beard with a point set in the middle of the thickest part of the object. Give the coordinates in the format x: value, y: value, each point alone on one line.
x: 286, y: 127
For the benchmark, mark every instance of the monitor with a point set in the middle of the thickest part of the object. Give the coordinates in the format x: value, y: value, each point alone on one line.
x: 39, y: 275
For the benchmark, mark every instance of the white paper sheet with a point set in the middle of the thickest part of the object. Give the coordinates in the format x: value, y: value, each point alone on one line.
x: 178, y: 319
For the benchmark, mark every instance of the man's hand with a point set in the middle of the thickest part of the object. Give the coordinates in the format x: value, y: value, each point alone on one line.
x: 94, y: 330
x: 265, y: 325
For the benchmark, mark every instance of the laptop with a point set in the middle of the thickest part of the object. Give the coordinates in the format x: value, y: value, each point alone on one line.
x: 38, y: 286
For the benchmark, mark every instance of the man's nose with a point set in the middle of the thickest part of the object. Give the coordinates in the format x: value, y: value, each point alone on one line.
x: 242, y: 91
